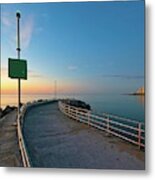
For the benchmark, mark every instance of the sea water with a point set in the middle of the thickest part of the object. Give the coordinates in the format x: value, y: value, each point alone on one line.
x: 127, y: 106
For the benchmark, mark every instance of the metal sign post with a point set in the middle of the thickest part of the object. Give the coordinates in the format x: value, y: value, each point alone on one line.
x: 18, y: 67
x: 18, y: 57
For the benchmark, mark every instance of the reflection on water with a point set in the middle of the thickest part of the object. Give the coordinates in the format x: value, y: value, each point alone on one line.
x: 122, y: 105
x: 141, y: 99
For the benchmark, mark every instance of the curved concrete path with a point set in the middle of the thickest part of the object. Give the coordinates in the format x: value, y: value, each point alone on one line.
x: 54, y: 140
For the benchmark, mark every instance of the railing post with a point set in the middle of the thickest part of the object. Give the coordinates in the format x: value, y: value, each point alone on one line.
x: 77, y: 114
x: 68, y: 110
x: 63, y: 108
x: 108, y: 125
x: 139, y: 135
x: 88, y: 115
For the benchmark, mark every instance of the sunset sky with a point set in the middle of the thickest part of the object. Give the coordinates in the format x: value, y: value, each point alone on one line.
x: 95, y: 47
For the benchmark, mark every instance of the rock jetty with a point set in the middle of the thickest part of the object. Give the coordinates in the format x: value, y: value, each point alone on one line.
x: 77, y: 103
x: 7, y: 110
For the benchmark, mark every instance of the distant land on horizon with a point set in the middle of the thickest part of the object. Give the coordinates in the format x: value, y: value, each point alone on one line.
x: 139, y: 91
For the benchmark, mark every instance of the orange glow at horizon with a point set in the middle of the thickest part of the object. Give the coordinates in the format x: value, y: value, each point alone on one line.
x: 42, y: 85
x: 39, y: 86
x: 11, y: 87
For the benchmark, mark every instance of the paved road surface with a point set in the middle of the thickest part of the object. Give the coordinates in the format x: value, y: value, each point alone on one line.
x: 54, y: 140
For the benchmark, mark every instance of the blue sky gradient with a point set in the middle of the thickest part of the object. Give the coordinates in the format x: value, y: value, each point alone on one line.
x: 94, y: 47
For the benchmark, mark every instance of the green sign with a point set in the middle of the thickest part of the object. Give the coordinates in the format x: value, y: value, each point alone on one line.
x: 17, y: 68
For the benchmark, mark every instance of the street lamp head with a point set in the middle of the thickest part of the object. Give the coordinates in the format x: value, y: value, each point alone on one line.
x: 18, y: 14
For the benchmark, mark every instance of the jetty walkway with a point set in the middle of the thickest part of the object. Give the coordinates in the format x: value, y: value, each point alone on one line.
x: 54, y: 140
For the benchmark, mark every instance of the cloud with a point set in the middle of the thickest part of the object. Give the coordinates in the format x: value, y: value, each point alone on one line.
x: 123, y: 76
x: 26, y: 32
x: 34, y: 74
x: 9, y: 29
x: 72, y: 68
x: 6, y: 19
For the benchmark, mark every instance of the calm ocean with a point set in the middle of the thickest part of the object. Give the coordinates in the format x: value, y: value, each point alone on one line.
x: 123, y: 105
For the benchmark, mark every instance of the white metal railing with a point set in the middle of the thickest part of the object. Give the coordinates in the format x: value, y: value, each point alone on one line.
x: 24, y: 154
x: 129, y: 130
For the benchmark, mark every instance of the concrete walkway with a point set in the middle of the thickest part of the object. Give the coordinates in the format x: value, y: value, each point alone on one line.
x: 54, y: 140
x: 9, y: 148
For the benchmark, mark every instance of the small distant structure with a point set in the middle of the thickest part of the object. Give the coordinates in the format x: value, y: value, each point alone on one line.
x: 139, y: 91
x: 55, y: 89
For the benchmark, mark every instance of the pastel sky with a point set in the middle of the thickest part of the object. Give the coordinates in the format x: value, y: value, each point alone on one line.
x: 94, y: 47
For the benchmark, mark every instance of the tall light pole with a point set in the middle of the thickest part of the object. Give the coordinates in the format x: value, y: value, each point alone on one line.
x: 55, y: 89
x: 18, y: 57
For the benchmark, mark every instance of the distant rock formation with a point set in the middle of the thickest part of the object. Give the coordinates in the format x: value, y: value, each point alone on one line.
x: 140, y: 91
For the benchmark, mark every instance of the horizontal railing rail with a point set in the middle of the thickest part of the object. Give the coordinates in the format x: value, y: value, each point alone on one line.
x: 24, y: 153
x: 124, y: 128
